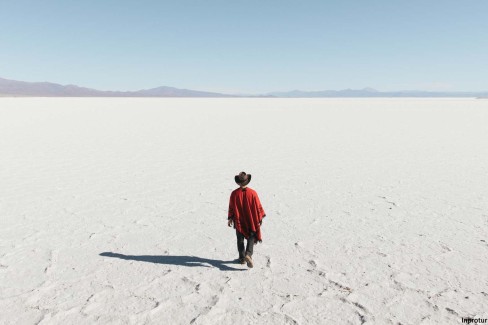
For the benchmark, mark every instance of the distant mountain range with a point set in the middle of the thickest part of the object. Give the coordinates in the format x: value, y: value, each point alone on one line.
x: 48, y: 89
x: 370, y: 92
x: 13, y: 88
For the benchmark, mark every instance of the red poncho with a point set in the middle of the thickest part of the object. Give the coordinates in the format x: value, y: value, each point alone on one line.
x: 246, y: 211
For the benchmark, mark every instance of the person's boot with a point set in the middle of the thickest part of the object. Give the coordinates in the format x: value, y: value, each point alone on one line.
x: 249, y: 261
x: 242, y: 257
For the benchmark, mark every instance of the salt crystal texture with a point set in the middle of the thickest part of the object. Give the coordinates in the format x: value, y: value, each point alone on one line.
x: 114, y: 210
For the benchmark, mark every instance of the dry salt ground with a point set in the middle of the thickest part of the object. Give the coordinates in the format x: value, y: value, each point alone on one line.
x: 114, y: 211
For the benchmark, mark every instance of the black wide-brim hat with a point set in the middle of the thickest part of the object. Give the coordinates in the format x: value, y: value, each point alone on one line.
x: 242, y: 179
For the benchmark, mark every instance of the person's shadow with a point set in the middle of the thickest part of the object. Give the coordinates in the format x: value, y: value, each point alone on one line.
x: 190, y: 261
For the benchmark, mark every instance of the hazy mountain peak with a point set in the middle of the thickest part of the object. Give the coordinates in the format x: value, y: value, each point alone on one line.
x: 48, y: 89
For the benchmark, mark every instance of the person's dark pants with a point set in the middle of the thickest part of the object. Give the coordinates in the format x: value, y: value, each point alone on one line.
x: 249, y: 246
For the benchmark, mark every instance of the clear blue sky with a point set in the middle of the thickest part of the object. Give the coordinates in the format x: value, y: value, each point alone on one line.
x: 247, y: 46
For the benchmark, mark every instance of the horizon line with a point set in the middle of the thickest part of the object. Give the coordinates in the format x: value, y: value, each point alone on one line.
x: 368, y: 89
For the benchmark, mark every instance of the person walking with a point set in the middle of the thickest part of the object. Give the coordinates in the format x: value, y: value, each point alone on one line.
x: 246, y: 215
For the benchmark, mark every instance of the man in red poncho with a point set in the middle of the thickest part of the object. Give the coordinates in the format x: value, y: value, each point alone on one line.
x: 246, y: 214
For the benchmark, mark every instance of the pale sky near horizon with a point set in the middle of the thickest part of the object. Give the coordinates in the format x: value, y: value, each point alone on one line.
x: 247, y: 46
